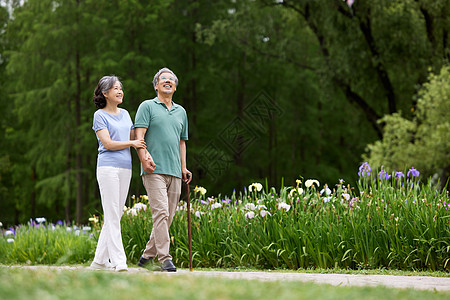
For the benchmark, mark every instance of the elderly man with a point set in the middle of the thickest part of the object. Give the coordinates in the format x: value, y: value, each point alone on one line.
x: 164, y: 126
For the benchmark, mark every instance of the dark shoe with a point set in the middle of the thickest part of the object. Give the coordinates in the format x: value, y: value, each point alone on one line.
x: 168, y: 266
x: 143, y: 261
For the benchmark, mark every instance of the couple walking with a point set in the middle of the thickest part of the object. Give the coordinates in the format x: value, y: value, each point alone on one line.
x: 158, y: 135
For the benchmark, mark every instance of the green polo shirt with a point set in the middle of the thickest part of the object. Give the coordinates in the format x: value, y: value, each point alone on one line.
x: 165, y: 129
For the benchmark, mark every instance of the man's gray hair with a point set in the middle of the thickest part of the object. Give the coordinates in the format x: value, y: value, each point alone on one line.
x: 163, y: 70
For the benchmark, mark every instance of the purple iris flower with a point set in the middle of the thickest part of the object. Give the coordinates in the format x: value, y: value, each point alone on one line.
x: 12, y: 230
x: 364, y: 170
x: 399, y: 175
x: 204, y: 202
x: 226, y: 201
x: 383, y: 175
x: 413, y: 172
x: 59, y: 222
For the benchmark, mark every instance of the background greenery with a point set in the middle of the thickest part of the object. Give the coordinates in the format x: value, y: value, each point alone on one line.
x: 273, y: 89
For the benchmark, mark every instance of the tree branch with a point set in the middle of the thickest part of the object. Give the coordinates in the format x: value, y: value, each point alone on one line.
x: 365, y: 26
x: 294, y: 62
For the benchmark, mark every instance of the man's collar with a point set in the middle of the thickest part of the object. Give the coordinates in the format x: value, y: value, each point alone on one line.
x: 174, y: 105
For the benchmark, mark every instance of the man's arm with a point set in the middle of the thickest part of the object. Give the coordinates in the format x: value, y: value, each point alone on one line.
x: 148, y: 165
x: 187, y: 175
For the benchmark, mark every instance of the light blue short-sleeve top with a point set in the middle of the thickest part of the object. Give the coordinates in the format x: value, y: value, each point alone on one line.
x: 119, y: 127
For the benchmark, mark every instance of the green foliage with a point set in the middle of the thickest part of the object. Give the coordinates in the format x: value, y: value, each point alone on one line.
x: 424, y: 141
x: 394, y: 224
x: 328, y: 70
x: 47, y: 244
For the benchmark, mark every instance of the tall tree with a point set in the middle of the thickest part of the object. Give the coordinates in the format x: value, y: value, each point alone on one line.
x: 424, y: 141
x: 48, y: 89
x: 368, y: 48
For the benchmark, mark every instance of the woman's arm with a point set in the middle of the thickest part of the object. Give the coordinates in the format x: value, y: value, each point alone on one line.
x: 105, y: 138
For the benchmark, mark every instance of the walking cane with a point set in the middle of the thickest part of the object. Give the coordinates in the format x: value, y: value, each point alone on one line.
x: 189, y: 224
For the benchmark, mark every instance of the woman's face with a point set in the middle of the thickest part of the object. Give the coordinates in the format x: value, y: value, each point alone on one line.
x: 115, y: 94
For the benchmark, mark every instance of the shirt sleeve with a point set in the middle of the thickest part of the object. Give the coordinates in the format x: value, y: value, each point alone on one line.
x: 99, y: 122
x: 143, y: 115
x: 184, y: 131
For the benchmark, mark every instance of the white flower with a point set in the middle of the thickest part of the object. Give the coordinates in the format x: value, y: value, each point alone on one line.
x: 86, y: 228
x: 261, y: 207
x: 8, y: 232
x: 138, y: 206
x: 69, y: 229
x: 249, y: 206
x: 216, y: 205
x: 283, y: 205
x: 125, y: 208
x: 346, y: 196
x: 198, y: 214
x: 10, y: 240
x: 40, y: 220
x: 250, y: 215
x: 263, y: 213
x: 199, y: 189
x: 326, y: 189
x: 255, y: 187
x: 132, y: 211
x: 1, y: 224
x: 296, y: 191
x: 326, y: 199
x: 310, y: 182
x: 77, y: 232
x: 182, y: 207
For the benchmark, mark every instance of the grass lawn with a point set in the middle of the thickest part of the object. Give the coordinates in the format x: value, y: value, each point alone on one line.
x: 20, y: 283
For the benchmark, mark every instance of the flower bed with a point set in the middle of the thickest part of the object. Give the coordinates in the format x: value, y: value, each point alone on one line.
x: 388, y: 220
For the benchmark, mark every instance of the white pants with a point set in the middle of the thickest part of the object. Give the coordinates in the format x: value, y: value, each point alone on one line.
x: 113, y: 183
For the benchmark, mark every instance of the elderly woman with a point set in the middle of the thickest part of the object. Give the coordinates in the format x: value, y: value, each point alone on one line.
x: 115, y: 133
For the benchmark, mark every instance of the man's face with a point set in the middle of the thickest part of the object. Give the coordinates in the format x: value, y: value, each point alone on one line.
x: 166, y: 84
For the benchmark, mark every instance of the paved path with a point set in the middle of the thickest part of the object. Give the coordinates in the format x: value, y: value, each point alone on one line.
x: 391, y: 281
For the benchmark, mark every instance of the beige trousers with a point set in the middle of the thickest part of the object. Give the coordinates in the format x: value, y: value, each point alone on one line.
x: 163, y: 195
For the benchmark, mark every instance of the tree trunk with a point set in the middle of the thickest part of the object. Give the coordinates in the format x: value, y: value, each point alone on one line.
x: 33, y: 193
x: 78, y: 161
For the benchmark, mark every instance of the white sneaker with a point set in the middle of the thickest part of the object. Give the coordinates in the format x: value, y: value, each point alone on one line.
x: 97, y: 266
x: 121, y: 268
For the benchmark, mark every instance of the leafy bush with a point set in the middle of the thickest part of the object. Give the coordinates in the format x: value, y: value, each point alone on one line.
x: 37, y: 243
x: 387, y: 221
x: 423, y: 141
